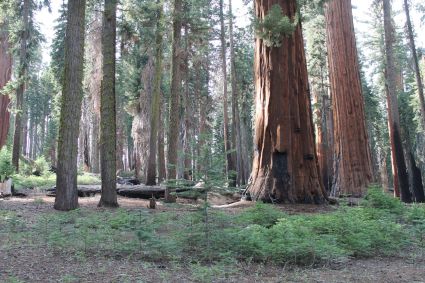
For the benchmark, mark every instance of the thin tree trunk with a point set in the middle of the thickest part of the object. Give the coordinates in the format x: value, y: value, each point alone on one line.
x: 285, y: 167
x: 72, y: 94
x: 5, y: 75
x: 174, y: 123
x: 227, y: 144
x: 155, y: 106
x: 412, y: 44
x: 393, y: 112
x: 162, y: 171
x: 236, y: 128
x: 23, y: 66
x: 108, y: 117
x: 352, y: 166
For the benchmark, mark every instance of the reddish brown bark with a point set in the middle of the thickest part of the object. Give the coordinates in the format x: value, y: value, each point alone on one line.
x: 322, y: 114
x: 285, y: 167
x: 398, y: 161
x: 5, y: 75
x: 352, y: 164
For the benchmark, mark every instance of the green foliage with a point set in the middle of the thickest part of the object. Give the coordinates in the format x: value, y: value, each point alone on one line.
x: 275, y: 26
x: 218, y: 239
x: 376, y: 198
x: 49, y: 180
x: 88, y: 179
x: 6, y: 167
x: 261, y: 214
x: 31, y: 181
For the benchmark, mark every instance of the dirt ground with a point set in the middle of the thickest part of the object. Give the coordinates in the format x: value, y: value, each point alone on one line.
x: 30, y: 264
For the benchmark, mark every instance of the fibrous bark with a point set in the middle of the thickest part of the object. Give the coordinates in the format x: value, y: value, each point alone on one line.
x: 108, y: 117
x: 352, y: 164
x: 93, y: 82
x: 5, y: 75
x: 398, y: 162
x: 174, y: 120
x: 72, y: 94
x: 285, y: 165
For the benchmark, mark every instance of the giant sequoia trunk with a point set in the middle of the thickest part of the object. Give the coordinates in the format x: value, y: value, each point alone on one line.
x: 5, y: 75
x: 108, y: 120
x: 399, y: 166
x: 72, y: 94
x: 352, y: 164
x: 285, y: 167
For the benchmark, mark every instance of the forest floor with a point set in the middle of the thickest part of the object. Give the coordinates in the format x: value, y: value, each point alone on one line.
x: 24, y: 261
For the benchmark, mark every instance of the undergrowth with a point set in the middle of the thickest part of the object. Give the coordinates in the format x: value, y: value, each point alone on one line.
x: 49, y: 180
x: 262, y: 233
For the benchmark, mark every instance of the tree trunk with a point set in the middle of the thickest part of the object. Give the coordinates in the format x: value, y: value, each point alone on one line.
x: 236, y: 123
x: 162, y: 171
x: 417, y: 185
x: 23, y: 66
x: 108, y: 117
x: 72, y: 94
x: 5, y: 75
x: 155, y: 106
x: 227, y: 145
x: 352, y: 164
x: 399, y: 164
x: 285, y: 167
x: 412, y: 44
x: 174, y: 123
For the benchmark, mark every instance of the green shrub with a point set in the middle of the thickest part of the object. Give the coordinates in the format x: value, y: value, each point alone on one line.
x: 6, y: 168
x: 31, y: 181
x: 262, y: 214
x: 88, y: 179
x: 41, y: 166
x: 376, y: 198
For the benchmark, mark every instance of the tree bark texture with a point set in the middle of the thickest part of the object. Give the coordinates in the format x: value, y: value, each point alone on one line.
x: 399, y: 166
x: 94, y: 81
x: 5, y: 75
x: 352, y: 164
x: 155, y: 106
x: 72, y: 94
x: 174, y: 123
x: 108, y: 116
x: 285, y: 167
x: 141, y: 120
x: 23, y: 66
